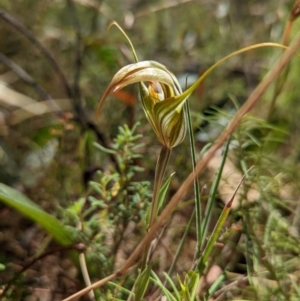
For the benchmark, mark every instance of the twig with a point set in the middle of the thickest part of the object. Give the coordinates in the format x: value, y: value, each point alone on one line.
x: 84, y: 269
x: 201, y: 165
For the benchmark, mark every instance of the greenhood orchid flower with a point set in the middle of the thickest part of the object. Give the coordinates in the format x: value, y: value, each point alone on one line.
x: 161, y: 95
x: 162, y: 98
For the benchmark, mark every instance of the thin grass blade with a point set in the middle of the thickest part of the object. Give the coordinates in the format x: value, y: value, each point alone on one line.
x: 212, y: 195
x: 216, y: 232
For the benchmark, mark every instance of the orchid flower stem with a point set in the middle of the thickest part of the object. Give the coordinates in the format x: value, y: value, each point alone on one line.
x: 160, y: 169
x: 196, y: 183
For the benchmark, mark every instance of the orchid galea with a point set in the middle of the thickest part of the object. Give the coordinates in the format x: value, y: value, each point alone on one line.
x: 161, y: 95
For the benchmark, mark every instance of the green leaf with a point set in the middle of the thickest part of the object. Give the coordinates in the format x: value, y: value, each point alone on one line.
x: 213, y: 193
x: 155, y: 279
x: 104, y: 149
x: 171, y: 282
x: 24, y: 205
x: 190, y: 90
x: 189, y: 286
x: 161, y: 197
x: 217, y: 283
x: 141, y: 283
x: 122, y: 289
x: 217, y: 230
x: 163, y: 191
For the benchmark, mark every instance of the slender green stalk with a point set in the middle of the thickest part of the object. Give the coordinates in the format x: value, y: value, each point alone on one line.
x: 143, y: 278
x: 160, y: 169
x: 214, y: 236
x: 215, y: 286
x: 189, y: 91
x: 212, y: 195
x: 217, y: 230
x: 196, y: 184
